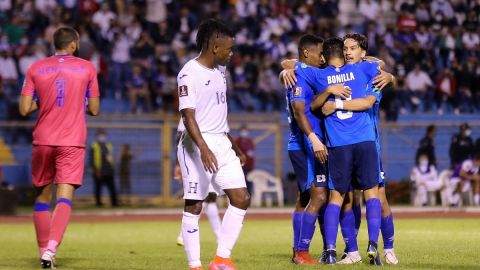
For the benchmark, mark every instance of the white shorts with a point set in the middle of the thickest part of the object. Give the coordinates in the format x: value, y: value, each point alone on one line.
x: 196, y: 180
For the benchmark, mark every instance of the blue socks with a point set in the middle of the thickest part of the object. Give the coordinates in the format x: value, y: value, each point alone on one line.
x: 374, y: 216
x: 306, y: 232
x: 357, y: 212
x: 321, y: 223
x: 297, y: 223
x: 38, y: 206
x: 388, y: 231
x: 347, y: 224
x: 332, y: 215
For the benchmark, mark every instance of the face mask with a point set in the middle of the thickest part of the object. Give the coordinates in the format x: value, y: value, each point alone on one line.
x: 468, y: 132
x: 102, y: 138
x: 244, y: 133
x: 423, y: 163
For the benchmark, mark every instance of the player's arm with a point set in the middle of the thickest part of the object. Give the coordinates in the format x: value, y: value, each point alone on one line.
x: 335, y: 89
x: 319, y: 149
x: 358, y: 104
x: 208, y: 158
x: 288, y: 63
x: 384, y: 78
x: 238, y: 151
x: 93, y: 107
x: 93, y: 94
x: 27, y: 105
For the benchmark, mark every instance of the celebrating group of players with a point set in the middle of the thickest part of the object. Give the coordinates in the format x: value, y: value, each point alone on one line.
x: 334, y: 147
x: 346, y: 91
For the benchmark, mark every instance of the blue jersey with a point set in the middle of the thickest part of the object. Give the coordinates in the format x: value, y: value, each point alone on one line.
x: 344, y: 127
x: 301, y: 92
x: 374, y: 112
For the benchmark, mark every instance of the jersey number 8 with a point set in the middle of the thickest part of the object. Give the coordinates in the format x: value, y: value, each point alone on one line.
x: 342, y: 115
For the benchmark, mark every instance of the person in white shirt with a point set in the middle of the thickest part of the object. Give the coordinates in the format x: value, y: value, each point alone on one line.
x: 418, y: 84
x: 104, y: 18
x: 465, y: 181
x: 206, y: 151
x: 425, y: 177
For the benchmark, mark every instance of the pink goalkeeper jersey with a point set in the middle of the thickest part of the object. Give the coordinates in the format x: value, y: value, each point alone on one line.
x: 62, y: 83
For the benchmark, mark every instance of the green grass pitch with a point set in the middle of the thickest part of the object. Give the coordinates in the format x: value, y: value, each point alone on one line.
x: 420, y: 244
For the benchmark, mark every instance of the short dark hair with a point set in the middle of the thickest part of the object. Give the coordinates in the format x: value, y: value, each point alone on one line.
x: 430, y: 128
x: 63, y: 36
x: 308, y: 40
x: 359, y: 38
x: 210, y: 28
x: 333, y: 47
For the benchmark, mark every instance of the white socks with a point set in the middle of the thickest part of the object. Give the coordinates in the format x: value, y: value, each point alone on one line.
x: 211, y: 209
x: 191, y: 238
x: 230, y: 230
x: 476, y: 199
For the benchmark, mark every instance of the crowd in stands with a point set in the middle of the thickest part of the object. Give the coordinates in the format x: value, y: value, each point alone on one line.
x: 138, y: 46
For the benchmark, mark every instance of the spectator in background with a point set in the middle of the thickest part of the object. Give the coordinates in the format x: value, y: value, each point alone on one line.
x: 125, y: 170
x: 102, y: 163
x: 138, y: 88
x: 8, y: 72
x: 446, y: 87
x: 247, y: 145
x: 465, y: 182
x: 164, y: 87
x: 3, y: 184
x: 418, y: 84
x: 425, y: 177
x: 461, y: 146
x: 104, y: 18
x: 427, y: 145
x: 121, y: 60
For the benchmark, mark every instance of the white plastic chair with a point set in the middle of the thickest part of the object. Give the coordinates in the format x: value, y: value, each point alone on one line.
x: 263, y: 182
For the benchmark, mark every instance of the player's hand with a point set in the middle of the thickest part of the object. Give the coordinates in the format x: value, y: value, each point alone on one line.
x: 383, y: 79
x: 177, y: 173
x: 321, y: 152
x: 209, y: 160
x: 328, y: 108
x: 243, y: 159
x: 339, y: 90
x: 289, y: 78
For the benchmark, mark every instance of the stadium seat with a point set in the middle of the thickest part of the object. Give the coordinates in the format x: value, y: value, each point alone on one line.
x: 264, y: 182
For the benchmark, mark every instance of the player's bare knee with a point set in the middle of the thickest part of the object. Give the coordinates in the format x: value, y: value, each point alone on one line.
x: 211, y: 197
x: 241, y: 201
x: 193, y: 207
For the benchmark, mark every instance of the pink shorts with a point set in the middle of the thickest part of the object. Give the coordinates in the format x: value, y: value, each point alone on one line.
x: 57, y: 164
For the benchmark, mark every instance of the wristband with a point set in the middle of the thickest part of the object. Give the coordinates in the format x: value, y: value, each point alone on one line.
x: 338, y: 104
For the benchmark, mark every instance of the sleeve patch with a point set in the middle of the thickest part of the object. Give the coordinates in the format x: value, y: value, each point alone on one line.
x: 297, y: 92
x: 183, y: 91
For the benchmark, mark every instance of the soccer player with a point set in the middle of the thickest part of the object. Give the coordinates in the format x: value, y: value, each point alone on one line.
x: 307, y: 153
x: 207, y: 153
x: 355, y: 49
x: 210, y: 203
x: 353, y: 158
x: 63, y: 83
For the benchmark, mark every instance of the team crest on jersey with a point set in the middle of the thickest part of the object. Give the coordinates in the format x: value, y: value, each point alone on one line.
x: 303, y: 65
x: 297, y: 91
x: 337, y: 69
x: 321, y: 178
x: 183, y: 91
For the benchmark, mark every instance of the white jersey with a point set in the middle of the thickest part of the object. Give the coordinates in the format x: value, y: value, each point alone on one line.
x: 204, y: 90
x: 181, y: 126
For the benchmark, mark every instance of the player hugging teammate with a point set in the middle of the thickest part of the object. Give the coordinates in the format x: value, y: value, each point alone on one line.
x: 348, y: 92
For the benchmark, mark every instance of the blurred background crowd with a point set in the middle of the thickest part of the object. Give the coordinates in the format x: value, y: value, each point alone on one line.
x: 139, y: 45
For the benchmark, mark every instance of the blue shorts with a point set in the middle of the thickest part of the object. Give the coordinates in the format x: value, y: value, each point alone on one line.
x: 381, y: 176
x: 307, y: 169
x: 354, y: 165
